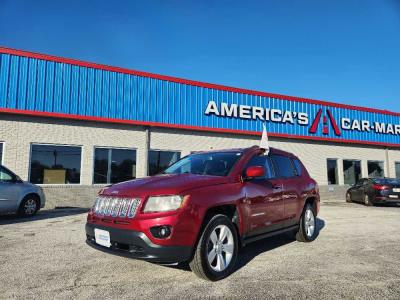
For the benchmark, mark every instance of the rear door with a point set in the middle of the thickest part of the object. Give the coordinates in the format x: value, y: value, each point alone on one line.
x: 286, y: 172
x: 263, y: 198
x: 8, y: 191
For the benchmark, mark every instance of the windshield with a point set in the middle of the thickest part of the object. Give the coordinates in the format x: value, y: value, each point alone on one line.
x: 215, y: 163
x: 391, y: 181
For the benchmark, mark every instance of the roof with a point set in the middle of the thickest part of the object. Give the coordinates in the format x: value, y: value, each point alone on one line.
x: 76, y: 62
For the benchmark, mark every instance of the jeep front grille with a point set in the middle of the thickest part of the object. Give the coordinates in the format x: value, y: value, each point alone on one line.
x: 116, y: 207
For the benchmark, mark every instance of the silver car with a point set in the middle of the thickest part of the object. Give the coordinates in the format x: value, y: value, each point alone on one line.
x: 17, y: 196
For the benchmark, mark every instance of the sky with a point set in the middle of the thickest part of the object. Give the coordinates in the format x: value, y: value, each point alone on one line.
x: 345, y: 51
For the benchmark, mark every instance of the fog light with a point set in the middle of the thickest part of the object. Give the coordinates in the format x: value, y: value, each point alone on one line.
x: 161, y: 232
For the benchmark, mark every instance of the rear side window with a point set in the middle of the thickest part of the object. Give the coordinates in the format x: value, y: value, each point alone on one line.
x: 283, y: 166
x: 297, y: 166
x: 263, y: 161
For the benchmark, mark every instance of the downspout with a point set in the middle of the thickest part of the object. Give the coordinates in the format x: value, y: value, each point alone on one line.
x: 146, y: 151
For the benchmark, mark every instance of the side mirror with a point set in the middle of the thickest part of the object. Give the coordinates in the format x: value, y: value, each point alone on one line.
x: 255, y: 171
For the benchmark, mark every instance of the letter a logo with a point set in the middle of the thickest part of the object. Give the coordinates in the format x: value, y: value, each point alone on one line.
x: 325, y: 128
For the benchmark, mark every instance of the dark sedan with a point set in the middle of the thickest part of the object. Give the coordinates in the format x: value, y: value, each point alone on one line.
x: 372, y: 191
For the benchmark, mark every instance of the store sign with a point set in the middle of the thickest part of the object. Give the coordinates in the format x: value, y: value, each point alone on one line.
x: 323, y: 117
x: 97, y: 93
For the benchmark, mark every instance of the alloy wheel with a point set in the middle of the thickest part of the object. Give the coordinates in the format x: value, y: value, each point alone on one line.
x: 30, y: 207
x: 220, y: 248
x: 309, y: 223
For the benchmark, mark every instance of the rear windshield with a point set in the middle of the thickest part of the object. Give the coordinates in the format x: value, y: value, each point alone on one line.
x: 214, y: 163
x: 387, y: 181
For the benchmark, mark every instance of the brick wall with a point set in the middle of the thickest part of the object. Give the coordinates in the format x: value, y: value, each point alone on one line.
x: 19, y: 132
x: 84, y: 195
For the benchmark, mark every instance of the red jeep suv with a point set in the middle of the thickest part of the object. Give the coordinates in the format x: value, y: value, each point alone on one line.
x: 204, y: 207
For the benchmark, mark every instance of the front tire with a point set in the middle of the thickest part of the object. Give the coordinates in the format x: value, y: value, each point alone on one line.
x: 307, y: 229
x: 217, y: 249
x: 348, y: 198
x: 367, y: 200
x: 29, y: 206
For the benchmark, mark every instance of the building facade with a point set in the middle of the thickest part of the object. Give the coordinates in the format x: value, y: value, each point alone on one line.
x: 73, y: 127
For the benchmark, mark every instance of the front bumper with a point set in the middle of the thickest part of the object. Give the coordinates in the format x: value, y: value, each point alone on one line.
x: 135, y: 244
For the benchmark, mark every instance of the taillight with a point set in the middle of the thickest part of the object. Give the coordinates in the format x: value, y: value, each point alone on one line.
x: 380, y: 187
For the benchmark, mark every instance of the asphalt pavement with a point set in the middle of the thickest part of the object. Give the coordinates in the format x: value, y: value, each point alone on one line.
x: 356, y: 255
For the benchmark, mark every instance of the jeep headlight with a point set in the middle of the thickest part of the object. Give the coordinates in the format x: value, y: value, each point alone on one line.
x: 163, y: 203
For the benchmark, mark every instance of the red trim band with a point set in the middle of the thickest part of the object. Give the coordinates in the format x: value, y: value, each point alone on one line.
x: 189, y: 127
x: 189, y: 82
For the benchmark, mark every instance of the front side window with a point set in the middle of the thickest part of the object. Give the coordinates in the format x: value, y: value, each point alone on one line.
x: 51, y: 164
x: 262, y: 161
x: 351, y: 171
x: 375, y: 169
x: 332, y: 170
x: 214, y: 163
x: 114, y: 165
x: 5, y: 175
x: 283, y: 166
x: 160, y: 160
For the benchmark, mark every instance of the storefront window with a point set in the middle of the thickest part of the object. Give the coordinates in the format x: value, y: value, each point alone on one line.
x: 114, y: 165
x: 351, y: 171
x: 52, y: 164
x: 1, y: 153
x: 375, y: 169
x: 160, y: 160
x: 397, y: 167
x: 332, y: 171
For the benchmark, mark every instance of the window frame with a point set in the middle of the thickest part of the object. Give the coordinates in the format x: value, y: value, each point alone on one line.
x: 163, y: 150
x: 376, y: 161
x: 108, y: 148
x: 2, y: 152
x: 62, y: 145
x: 353, y: 160
x: 395, y: 163
x: 337, y: 170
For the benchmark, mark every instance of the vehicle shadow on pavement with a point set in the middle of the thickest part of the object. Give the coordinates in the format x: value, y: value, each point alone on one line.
x: 42, y: 215
x: 254, y: 249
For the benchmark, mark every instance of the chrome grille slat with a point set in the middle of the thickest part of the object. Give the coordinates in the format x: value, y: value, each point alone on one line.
x: 116, y: 207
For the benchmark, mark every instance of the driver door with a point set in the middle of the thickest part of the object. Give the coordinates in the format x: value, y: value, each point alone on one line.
x: 357, y: 190
x: 264, y: 199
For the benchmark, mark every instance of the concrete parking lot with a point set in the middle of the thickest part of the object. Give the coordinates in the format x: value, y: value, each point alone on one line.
x: 356, y: 255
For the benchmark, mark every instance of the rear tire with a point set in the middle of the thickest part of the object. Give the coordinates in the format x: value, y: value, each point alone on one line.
x: 367, y: 201
x: 29, y: 206
x: 217, y: 249
x: 348, y: 198
x: 307, y: 229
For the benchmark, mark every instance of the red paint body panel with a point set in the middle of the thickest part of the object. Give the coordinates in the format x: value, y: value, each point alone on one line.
x: 259, y: 205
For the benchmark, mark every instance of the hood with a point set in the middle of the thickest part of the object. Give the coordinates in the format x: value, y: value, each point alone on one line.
x: 165, y: 184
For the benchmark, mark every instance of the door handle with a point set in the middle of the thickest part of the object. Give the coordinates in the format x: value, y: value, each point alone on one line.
x: 277, y: 186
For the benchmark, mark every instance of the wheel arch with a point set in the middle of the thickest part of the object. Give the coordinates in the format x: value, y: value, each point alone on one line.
x: 31, y: 194
x: 229, y: 210
x: 313, y: 201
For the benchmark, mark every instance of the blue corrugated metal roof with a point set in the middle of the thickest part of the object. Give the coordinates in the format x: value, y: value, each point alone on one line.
x: 33, y: 84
